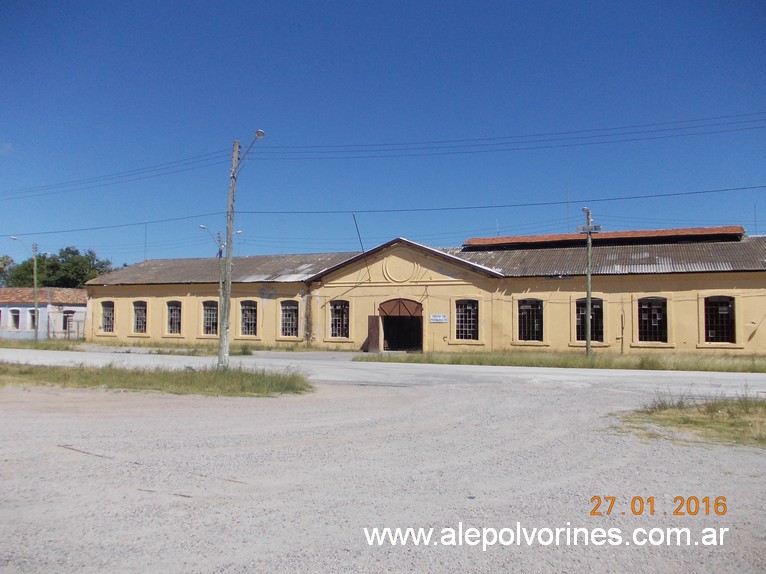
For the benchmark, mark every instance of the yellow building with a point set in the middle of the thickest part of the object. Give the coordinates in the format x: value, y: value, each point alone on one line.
x: 670, y: 290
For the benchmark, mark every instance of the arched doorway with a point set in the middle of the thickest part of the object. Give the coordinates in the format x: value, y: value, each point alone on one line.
x: 402, y: 325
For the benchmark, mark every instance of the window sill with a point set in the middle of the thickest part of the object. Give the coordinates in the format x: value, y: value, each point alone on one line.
x: 172, y: 336
x: 290, y: 339
x: 720, y: 346
x: 530, y: 344
x: 471, y: 342
x: 247, y: 338
x: 652, y: 345
x: 595, y: 344
x: 139, y: 336
x: 106, y: 334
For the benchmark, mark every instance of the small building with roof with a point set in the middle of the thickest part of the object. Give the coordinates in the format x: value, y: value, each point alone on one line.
x: 677, y: 290
x: 61, y: 313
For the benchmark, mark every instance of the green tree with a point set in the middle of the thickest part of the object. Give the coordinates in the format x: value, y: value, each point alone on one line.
x: 68, y: 268
x: 6, y: 263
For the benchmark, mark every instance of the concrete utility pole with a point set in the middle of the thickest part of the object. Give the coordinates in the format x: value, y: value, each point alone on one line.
x: 34, y: 283
x: 224, y: 312
x: 588, y: 229
x: 34, y: 290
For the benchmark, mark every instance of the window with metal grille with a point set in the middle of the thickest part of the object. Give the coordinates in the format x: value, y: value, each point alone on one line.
x: 139, y: 317
x: 719, y: 320
x: 68, y: 320
x: 15, y: 319
x: 249, y: 318
x: 289, y: 318
x: 107, y: 317
x: 210, y: 317
x: 174, y: 317
x: 467, y: 319
x: 596, y: 320
x: 653, y: 319
x: 530, y: 320
x: 339, y: 319
x: 32, y: 319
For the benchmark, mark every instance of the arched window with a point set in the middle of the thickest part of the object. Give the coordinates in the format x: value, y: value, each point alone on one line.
x: 653, y: 319
x: 107, y: 316
x: 289, y: 318
x: 596, y: 319
x: 139, y: 316
x: 467, y: 319
x: 174, y: 317
x: 719, y: 320
x: 210, y: 317
x: 530, y: 320
x: 339, y: 314
x: 249, y: 311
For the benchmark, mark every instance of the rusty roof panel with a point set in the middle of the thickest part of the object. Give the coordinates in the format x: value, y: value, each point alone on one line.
x: 749, y: 254
x: 723, y: 232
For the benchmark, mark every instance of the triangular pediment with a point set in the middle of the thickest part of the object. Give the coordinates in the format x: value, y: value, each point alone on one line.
x: 401, y: 261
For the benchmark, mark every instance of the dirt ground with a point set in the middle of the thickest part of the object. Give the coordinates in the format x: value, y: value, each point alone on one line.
x: 110, y: 481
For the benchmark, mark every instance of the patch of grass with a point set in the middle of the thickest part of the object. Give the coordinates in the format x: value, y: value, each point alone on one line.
x: 599, y: 360
x: 43, y: 344
x: 215, y: 382
x: 739, y: 420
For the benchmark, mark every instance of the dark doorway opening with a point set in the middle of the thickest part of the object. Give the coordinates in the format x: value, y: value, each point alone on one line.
x: 402, y: 325
x: 403, y: 333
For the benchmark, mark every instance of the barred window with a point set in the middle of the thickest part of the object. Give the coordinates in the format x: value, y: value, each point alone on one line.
x: 107, y: 316
x: 210, y: 317
x: 339, y: 313
x: 596, y: 319
x: 467, y: 319
x: 68, y: 320
x: 174, y: 317
x: 719, y: 320
x: 33, y: 319
x: 653, y: 319
x: 15, y: 319
x: 530, y: 320
x: 289, y: 318
x: 139, y: 317
x: 249, y: 318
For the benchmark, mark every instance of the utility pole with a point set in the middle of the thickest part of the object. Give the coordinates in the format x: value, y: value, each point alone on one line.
x: 225, y: 308
x: 224, y: 311
x: 34, y: 290
x: 588, y: 229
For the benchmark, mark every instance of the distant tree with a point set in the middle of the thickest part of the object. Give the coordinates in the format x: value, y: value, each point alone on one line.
x: 68, y: 268
x: 6, y: 263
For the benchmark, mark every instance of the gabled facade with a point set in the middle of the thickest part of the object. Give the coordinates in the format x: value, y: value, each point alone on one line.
x: 673, y: 290
x: 61, y: 313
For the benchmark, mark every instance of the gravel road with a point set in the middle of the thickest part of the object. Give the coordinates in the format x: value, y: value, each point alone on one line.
x: 110, y: 481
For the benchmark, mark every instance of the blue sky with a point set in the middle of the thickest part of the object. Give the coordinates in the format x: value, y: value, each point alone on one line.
x: 121, y: 116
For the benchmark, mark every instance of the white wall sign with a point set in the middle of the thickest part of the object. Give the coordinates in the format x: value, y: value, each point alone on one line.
x: 439, y: 318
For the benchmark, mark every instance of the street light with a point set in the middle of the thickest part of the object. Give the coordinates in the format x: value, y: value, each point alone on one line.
x: 34, y: 282
x: 236, y: 164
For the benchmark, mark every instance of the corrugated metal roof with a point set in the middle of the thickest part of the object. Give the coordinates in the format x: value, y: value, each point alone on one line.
x: 45, y: 296
x: 252, y: 269
x: 749, y: 254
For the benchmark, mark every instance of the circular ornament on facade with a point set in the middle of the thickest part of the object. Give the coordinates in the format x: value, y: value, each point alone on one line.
x: 400, y: 267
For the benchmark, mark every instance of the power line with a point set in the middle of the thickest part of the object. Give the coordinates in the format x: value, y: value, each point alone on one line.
x: 410, y: 209
x: 482, y: 145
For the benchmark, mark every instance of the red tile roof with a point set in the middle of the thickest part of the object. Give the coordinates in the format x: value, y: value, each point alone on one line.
x: 45, y: 296
x: 724, y: 232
